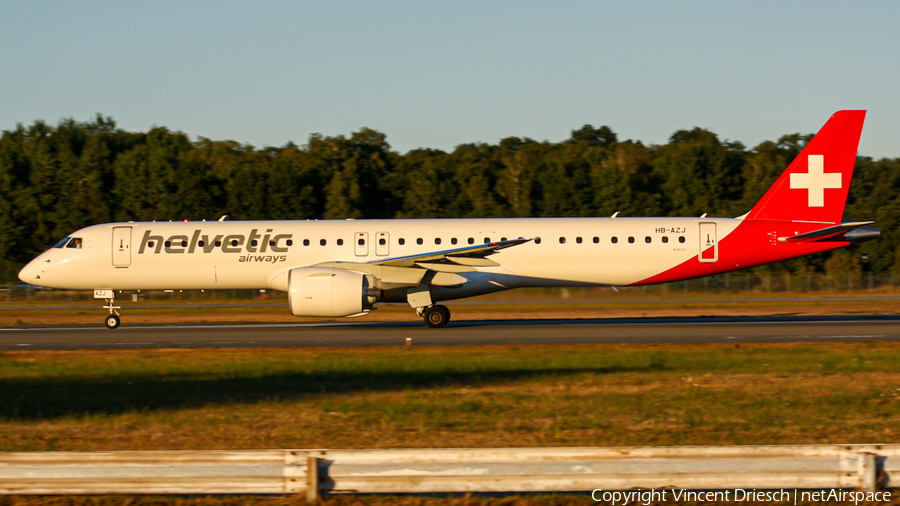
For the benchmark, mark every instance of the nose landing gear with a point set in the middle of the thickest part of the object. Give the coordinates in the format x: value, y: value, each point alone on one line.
x: 112, y: 321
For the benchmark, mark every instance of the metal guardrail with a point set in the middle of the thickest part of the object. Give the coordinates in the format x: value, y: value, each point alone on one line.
x: 867, y: 467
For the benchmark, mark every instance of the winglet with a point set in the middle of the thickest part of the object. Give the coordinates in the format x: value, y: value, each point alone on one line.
x: 814, y: 187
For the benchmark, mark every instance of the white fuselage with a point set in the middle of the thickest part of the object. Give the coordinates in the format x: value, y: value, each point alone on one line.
x: 187, y: 256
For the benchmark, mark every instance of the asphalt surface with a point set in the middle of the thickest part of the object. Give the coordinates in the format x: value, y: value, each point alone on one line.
x: 360, y: 334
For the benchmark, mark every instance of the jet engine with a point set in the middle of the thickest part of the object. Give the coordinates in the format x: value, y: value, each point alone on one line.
x: 323, y: 291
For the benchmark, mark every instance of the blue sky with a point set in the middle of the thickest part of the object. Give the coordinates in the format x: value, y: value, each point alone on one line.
x: 438, y: 74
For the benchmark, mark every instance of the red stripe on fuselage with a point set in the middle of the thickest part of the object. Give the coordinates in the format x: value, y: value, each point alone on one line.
x: 752, y: 243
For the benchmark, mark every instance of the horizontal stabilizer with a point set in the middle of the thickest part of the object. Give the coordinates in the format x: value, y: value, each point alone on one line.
x: 828, y: 233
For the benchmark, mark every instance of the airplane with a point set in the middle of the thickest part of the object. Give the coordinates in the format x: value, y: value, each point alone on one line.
x: 340, y: 268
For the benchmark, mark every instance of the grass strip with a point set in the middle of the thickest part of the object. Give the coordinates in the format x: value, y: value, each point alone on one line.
x: 421, y: 396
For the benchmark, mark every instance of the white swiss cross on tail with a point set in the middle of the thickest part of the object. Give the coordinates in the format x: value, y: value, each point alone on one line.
x: 816, y: 180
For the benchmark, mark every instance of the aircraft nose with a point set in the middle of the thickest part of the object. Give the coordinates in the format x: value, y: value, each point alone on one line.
x: 30, y: 273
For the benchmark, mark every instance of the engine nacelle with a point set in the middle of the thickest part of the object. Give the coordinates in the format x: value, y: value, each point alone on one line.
x: 323, y: 291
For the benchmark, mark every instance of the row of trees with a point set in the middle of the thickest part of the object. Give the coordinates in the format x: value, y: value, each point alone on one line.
x: 56, y: 179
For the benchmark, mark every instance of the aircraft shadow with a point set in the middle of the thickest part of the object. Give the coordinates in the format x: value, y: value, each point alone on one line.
x: 51, y: 398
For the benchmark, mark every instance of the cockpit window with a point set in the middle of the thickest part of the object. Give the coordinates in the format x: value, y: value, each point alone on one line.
x: 62, y: 243
x: 74, y: 243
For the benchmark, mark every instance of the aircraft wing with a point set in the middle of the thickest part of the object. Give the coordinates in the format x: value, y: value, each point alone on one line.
x: 441, y: 268
x: 467, y: 256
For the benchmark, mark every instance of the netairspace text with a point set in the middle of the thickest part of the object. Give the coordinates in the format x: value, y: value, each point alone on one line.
x: 647, y: 497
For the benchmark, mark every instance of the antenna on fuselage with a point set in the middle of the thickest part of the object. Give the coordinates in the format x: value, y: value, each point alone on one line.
x: 703, y: 215
x: 223, y: 217
x: 615, y: 214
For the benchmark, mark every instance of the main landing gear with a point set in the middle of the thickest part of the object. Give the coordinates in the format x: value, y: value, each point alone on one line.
x: 437, y: 316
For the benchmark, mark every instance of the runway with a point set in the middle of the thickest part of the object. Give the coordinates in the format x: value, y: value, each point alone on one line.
x: 524, y: 332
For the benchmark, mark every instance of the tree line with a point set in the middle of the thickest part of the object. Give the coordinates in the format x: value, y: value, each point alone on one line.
x: 56, y: 179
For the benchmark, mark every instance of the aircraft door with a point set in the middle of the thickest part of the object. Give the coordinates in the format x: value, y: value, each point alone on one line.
x: 709, y: 246
x: 121, y: 246
x: 383, y: 244
x: 362, y: 244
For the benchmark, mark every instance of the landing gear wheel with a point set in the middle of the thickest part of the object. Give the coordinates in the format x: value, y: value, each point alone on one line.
x: 112, y: 321
x: 437, y: 316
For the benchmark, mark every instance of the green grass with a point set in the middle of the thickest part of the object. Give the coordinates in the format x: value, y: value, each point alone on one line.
x: 426, y: 396
x: 450, y: 396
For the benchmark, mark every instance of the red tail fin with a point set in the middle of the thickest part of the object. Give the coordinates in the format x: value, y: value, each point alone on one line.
x: 814, y: 187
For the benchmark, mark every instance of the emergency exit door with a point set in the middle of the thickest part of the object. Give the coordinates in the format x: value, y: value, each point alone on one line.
x: 709, y: 246
x: 121, y: 246
x: 361, y: 240
x: 383, y: 244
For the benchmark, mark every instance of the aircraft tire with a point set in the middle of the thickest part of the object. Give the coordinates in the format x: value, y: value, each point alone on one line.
x: 112, y: 322
x: 437, y: 316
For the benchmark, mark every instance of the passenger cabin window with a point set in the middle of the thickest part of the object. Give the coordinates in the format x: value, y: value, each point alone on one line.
x: 340, y: 242
x: 289, y: 242
x: 203, y: 243
x: 596, y: 240
x: 615, y: 240
x: 453, y: 240
x: 537, y: 240
x: 382, y: 241
x: 401, y: 241
x: 271, y: 243
x: 647, y: 239
x: 665, y: 239
x: 562, y: 240
x: 681, y: 238
x: 437, y: 240
x: 218, y: 244
x: 631, y: 240
x: 62, y: 243
x: 234, y: 242
x: 306, y: 242
x: 361, y: 242
x: 252, y: 243
x: 487, y: 240
x: 578, y: 240
x: 419, y: 241
x: 322, y: 242
x: 471, y: 240
x: 75, y: 243
x: 503, y: 238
